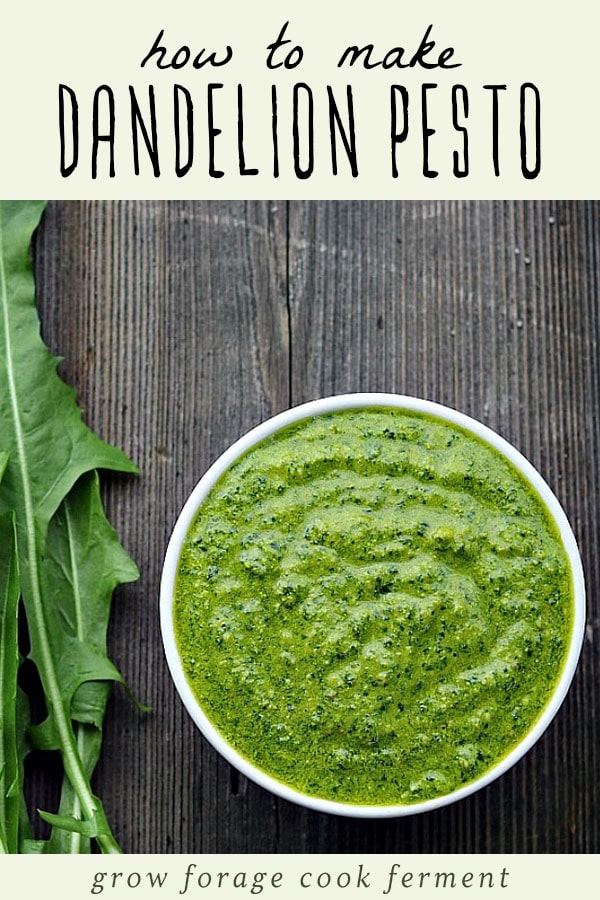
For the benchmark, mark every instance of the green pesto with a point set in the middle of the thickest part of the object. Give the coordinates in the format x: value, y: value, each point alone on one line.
x: 373, y: 606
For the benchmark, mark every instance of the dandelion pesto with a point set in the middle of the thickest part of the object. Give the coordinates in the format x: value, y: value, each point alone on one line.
x: 373, y: 606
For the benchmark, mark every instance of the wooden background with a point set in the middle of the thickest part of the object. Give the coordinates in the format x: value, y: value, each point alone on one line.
x: 183, y: 324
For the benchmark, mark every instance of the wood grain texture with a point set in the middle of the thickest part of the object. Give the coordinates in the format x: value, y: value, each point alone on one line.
x: 182, y: 324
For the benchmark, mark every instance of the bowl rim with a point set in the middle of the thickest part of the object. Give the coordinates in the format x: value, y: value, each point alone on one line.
x: 326, y: 405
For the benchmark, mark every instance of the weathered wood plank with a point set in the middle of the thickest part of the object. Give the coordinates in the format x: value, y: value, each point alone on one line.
x: 490, y: 308
x: 172, y: 320
x: 183, y: 324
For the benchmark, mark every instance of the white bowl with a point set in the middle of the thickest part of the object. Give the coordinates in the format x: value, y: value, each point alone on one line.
x: 264, y: 430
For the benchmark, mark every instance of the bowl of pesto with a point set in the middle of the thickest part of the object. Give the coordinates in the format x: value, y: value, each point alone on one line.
x: 372, y: 605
